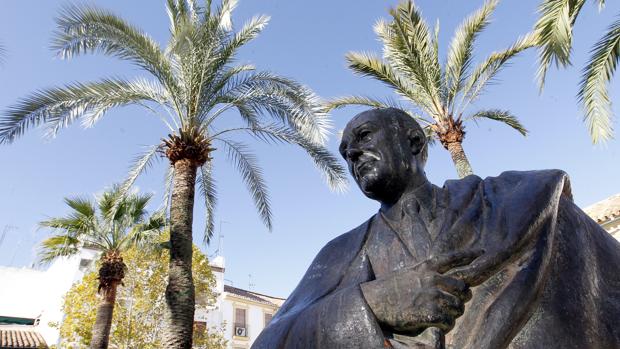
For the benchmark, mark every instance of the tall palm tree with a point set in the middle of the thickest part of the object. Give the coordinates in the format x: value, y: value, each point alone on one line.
x: 194, y: 82
x: 440, y: 95
x: 555, y: 32
x: 112, y: 227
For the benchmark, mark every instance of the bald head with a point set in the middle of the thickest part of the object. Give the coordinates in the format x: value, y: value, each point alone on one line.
x: 385, y: 150
x: 397, y: 120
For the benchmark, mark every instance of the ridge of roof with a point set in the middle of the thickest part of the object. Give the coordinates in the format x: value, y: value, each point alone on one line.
x: 250, y: 295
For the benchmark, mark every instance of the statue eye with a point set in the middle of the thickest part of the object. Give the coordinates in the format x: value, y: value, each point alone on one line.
x: 365, y: 135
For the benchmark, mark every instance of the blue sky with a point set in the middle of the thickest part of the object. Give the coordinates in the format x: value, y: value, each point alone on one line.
x: 307, y: 41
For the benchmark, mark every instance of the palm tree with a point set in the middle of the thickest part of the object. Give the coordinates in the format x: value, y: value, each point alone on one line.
x: 195, y: 82
x: 110, y: 227
x: 411, y: 67
x: 555, y: 32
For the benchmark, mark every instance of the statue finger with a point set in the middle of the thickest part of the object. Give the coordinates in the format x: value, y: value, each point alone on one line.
x: 444, y: 262
x: 451, y: 305
x: 453, y: 286
x: 479, y: 270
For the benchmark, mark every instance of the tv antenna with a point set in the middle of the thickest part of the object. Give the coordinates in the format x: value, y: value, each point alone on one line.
x: 250, y: 283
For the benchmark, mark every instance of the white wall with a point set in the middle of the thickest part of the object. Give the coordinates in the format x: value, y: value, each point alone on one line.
x: 30, y: 293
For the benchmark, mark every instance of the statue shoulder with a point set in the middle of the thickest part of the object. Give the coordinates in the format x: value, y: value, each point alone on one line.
x: 537, y: 182
x: 348, y: 242
x: 519, y: 189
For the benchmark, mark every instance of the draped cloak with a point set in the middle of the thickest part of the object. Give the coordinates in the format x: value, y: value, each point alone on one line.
x: 548, y: 277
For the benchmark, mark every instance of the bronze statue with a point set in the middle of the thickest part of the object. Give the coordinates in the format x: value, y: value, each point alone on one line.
x: 504, y: 262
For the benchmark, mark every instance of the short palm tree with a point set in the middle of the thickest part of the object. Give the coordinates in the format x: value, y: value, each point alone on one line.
x: 555, y: 32
x: 195, y: 82
x: 111, y: 227
x: 411, y: 67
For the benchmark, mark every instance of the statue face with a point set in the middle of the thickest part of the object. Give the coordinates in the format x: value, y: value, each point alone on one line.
x: 377, y: 155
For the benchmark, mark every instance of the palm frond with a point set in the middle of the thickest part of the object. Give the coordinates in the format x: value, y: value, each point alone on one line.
x: 82, y: 206
x: 81, y: 221
x: 83, y: 29
x: 366, y: 64
x: 144, y: 234
x: 328, y: 165
x: 271, y: 96
x: 225, y: 14
x: 409, y: 48
x: 59, y: 107
x: 554, y: 30
x: 118, y: 224
x: 168, y: 184
x: 250, y: 30
x: 252, y: 175
x: 593, y: 86
x: 141, y: 163
x: 209, y: 193
x: 461, y: 49
x: 74, y: 225
x: 136, y: 207
x: 503, y: 116
x: 488, y: 69
x: 340, y: 102
x: 213, y: 74
x: 58, y: 246
x: 430, y: 134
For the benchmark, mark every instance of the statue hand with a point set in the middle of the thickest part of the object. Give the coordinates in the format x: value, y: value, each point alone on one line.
x: 418, y: 297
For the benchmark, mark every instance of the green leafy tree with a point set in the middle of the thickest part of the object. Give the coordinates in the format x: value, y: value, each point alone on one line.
x: 140, y: 306
x: 112, y: 231
x: 555, y: 34
x: 194, y: 82
x: 440, y: 94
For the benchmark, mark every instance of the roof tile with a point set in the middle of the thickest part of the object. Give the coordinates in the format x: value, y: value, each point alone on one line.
x: 20, y: 337
x: 605, y: 210
x: 248, y: 295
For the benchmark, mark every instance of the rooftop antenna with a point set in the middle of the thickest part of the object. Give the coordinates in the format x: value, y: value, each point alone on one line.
x: 5, y: 230
x: 250, y: 283
x: 220, y: 241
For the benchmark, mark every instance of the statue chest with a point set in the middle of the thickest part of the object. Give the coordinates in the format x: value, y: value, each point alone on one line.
x: 391, y: 247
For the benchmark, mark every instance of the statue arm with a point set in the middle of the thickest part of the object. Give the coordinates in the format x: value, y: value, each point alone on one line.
x: 327, y: 309
x: 341, y: 319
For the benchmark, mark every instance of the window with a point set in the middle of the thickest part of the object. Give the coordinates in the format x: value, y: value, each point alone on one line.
x: 84, y: 264
x: 268, y: 318
x: 239, y: 317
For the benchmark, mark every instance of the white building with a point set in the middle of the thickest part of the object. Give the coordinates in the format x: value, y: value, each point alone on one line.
x: 243, y: 314
x: 607, y: 214
x: 33, y: 298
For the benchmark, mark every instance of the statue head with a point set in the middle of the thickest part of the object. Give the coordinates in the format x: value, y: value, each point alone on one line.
x: 385, y: 150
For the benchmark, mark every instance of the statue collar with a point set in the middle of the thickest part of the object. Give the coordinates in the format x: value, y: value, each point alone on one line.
x: 421, y: 198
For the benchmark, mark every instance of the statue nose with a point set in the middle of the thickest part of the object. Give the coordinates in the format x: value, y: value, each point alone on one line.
x: 354, y: 153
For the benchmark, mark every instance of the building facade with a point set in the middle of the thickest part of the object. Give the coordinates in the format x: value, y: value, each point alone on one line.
x: 31, y: 299
x: 240, y: 314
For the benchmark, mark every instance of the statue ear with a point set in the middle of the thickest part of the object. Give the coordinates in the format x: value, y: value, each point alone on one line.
x: 417, y: 140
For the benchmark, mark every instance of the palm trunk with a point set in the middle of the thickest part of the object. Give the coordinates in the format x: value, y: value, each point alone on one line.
x: 463, y: 168
x: 103, y: 322
x: 180, y: 290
